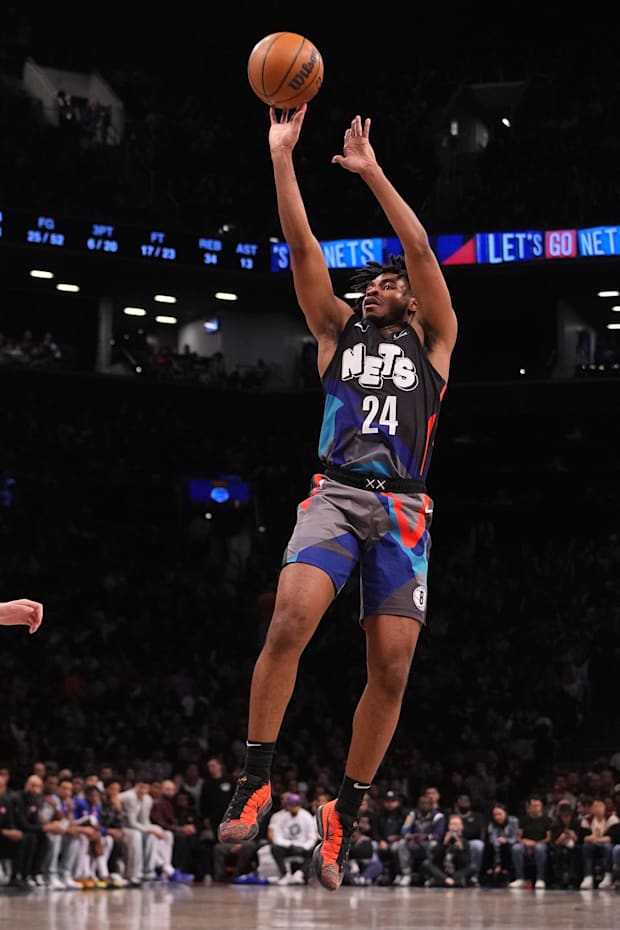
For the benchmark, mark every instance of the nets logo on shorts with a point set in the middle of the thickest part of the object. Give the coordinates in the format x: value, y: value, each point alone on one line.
x: 419, y: 597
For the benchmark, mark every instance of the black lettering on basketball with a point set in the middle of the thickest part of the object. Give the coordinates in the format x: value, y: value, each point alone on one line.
x: 304, y: 72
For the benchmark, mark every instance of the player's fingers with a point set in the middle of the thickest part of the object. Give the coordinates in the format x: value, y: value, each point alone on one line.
x: 35, y: 618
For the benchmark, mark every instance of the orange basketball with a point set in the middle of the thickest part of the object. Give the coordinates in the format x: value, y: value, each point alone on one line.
x: 285, y: 70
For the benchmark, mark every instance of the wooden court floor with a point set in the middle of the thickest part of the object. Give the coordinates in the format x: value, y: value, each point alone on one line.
x: 258, y: 907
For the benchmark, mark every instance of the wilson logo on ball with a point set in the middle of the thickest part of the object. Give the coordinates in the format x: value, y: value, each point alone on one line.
x: 285, y: 70
x: 306, y: 70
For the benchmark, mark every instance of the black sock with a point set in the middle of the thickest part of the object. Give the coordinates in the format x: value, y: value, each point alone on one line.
x: 259, y: 758
x: 350, y: 797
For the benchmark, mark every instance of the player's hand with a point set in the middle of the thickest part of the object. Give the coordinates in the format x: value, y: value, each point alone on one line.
x: 358, y: 153
x: 285, y: 127
x: 21, y: 612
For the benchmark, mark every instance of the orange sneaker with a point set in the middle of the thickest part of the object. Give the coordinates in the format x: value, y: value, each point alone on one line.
x: 86, y: 882
x: 249, y: 804
x: 332, y: 853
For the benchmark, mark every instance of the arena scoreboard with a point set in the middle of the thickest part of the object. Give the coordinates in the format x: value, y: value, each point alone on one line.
x: 114, y: 242
x: 46, y: 231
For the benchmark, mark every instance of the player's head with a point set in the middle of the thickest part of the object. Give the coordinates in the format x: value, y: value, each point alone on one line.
x: 387, y: 296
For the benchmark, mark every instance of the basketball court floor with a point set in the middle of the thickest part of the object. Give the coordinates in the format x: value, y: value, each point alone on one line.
x: 269, y: 907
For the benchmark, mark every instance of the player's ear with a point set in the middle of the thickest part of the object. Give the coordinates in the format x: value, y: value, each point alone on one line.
x: 413, y: 304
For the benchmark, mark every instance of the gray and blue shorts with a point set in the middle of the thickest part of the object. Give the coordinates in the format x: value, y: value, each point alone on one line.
x: 386, y: 533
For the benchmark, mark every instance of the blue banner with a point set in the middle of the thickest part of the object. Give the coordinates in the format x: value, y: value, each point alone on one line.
x: 339, y: 253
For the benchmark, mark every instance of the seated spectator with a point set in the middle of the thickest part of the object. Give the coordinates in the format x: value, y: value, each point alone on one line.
x: 195, y: 858
x: 559, y: 794
x: 112, y: 822
x: 56, y: 825
x: 27, y: 804
x: 292, y: 833
x: 423, y: 828
x: 136, y: 805
x: 565, y: 847
x: 532, y: 844
x: 193, y: 782
x: 231, y: 860
x: 156, y: 848
x: 68, y: 857
x: 501, y: 834
x: 164, y: 814
x: 319, y: 797
x: 95, y: 842
x: 12, y: 847
x: 387, y: 823
x: 597, y: 845
x: 216, y: 791
x: 449, y: 862
x: 364, y: 866
x: 474, y: 828
x: 614, y: 835
x: 435, y: 798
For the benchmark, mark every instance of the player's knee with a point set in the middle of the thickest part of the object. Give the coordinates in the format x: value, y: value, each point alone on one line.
x: 289, y: 633
x: 390, y: 678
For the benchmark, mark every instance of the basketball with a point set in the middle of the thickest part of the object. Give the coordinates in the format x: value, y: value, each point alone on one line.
x: 285, y: 70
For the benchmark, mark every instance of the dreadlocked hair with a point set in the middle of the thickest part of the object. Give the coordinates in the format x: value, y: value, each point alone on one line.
x: 362, y: 277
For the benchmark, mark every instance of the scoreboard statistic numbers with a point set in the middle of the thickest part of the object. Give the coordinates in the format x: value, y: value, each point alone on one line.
x: 156, y: 246
x: 45, y: 232
x: 163, y: 246
x: 102, y: 239
x: 238, y: 256
x: 247, y: 252
x: 210, y: 249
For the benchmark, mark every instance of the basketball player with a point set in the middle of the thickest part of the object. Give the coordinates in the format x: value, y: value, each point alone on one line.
x: 21, y: 612
x: 384, y: 371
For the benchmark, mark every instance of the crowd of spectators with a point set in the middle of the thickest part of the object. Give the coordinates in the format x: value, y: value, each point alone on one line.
x: 87, y: 119
x: 163, y: 363
x: 33, y: 349
x: 99, y: 829
x: 28, y: 350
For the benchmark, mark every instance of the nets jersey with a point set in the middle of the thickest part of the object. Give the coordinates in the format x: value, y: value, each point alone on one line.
x: 382, y: 401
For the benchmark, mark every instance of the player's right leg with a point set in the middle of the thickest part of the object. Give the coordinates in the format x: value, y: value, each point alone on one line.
x: 304, y: 594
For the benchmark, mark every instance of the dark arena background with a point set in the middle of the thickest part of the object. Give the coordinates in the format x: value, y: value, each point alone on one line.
x: 159, y: 416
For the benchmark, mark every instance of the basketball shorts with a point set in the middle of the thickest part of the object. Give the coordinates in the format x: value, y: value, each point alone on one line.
x: 386, y: 533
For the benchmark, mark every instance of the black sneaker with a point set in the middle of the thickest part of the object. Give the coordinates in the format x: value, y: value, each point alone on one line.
x: 249, y: 804
x: 332, y: 853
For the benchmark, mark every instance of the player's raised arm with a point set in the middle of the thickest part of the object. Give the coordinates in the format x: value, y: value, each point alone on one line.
x: 434, y: 312
x: 325, y: 313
